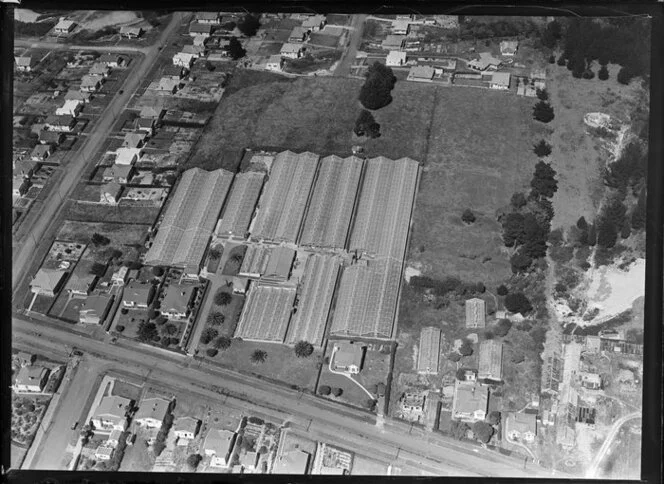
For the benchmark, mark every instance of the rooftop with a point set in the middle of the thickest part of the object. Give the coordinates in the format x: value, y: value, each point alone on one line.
x: 31, y: 375
x: 155, y: 408
x: 219, y: 441
x: 177, y: 298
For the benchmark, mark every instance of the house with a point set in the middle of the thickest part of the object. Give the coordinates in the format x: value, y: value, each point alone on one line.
x: 118, y: 173
x: 186, y: 427
x: 111, y: 60
x: 314, y: 23
x: 400, y: 27
x: 471, y: 401
x: 31, y: 379
x: 51, y: 137
x: 145, y: 125
x: 448, y: 65
x: 131, y: 32
x: 348, y: 356
x: 153, y: 111
x: 291, y: 51
x: 591, y: 381
x: 475, y: 313
x: 137, y: 295
x: 395, y: 58
x: 485, y: 62
x: 195, y: 50
x: 104, y: 452
x: 177, y: 300
x: 99, y: 69
x: 393, y: 42
x: 174, y: 71
x: 113, y: 439
x: 168, y: 85
x: 94, y: 309
x: 249, y: 461
x: 500, y: 80
x: 219, y: 445
x: 128, y: 155
x: 298, y: 34
x: 592, y: 344
x: 152, y: 412
x: 81, y: 285
x: 412, y: 405
x: 25, y: 168
x: 73, y: 95
x: 110, y: 193
x: 520, y: 426
x: 63, y: 123
x: 294, y: 462
x: 429, y: 351
x: 120, y: 276
x: 196, y: 29
x: 200, y: 40
x: 90, y: 83
x: 207, y: 18
x: 509, y: 47
x: 64, y: 26
x: 111, y: 414
x: 20, y: 186
x: 40, y: 153
x: 47, y: 281
x: 274, y: 63
x: 134, y: 140
x: 183, y: 59
x: 70, y: 108
x: 240, y: 285
x: 26, y: 359
x: 421, y: 74
x: 23, y: 63
x: 491, y: 360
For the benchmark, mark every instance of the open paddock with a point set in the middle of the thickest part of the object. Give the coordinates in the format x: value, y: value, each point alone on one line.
x: 82, y: 212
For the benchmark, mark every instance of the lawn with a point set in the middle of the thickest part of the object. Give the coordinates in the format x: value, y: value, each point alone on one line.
x: 111, y: 214
x: 121, y: 235
x: 363, y: 466
x: 27, y: 412
x: 67, y: 309
x: 352, y: 394
x: 324, y: 40
x: 127, y: 390
x: 271, y: 48
x: 42, y: 303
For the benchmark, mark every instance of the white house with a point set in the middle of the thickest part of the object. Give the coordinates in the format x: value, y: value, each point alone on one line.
x: 400, y: 27
x: 23, y: 63
x: 186, y: 427
x: 219, y: 445
x: 119, y: 277
x: 292, y: 51
x: 71, y: 107
x: 31, y: 379
x: 127, y: 156
x: 314, y: 23
x: 111, y: 414
x: 509, y: 47
x: 130, y: 32
x: 100, y: 69
x: 104, y: 452
x: 485, y: 62
x: 395, y: 58
x: 274, y: 63
x: 90, y: 83
x: 64, y: 26
x: 151, y: 412
x: 500, y: 80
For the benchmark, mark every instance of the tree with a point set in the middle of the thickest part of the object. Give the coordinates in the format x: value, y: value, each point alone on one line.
x: 212, y: 352
x: 468, y: 216
x: 454, y: 357
x: 502, y: 290
x: 535, y: 237
x: 170, y: 329
x: 502, y: 327
x: 494, y: 417
x: 208, y: 335
x: 222, y: 343
x: 466, y: 348
x: 518, y: 200
x: 544, y: 183
x: 542, y: 94
x: 366, y: 125
x: 543, y: 112
x: 581, y: 223
x: 483, y: 431
x: 542, y: 148
x: 337, y: 392
x: 119, y: 328
x: 216, y: 318
x: 222, y: 298
x: 303, y: 349
x: 517, y: 302
x: 625, y: 75
x: 369, y: 404
x: 324, y: 390
x: 258, y: 356
x: 603, y: 73
x: 607, y: 233
x: 461, y: 374
x: 99, y: 240
x: 124, y: 310
x: 158, y: 271
x: 561, y: 61
x: 520, y: 262
x: 639, y: 213
x: 152, y: 313
x: 375, y: 93
x: 193, y: 460
x: 147, y: 331
x: 248, y: 25
x: 551, y: 35
x: 513, y: 230
x: 235, y: 49
x: 552, y: 59
x: 215, y: 253
x: 98, y: 269
x: 459, y: 429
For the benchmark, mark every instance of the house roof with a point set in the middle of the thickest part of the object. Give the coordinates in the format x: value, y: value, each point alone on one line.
x: 99, y: 68
x: 23, y: 61
x: 60, y: 120
x: 485, y: 60
x: 207, y: 15
x: 186, y: 424
x: 293, y: 462
x: 400, y: 24
x: 218, y: 441
x: 155, y: 408
x: 132, y: 140
x: 274, y: 59
x: 139, y: 292
x: 125, y: 156
x: 30, y: 375
x: 249, y: 459
x: 82, y: 283
x: 289, y: 48
x: 167, y: 84
x: 429, y: 354
x: 152, y: 111
x: 76, y: 95
x: 313, y: 21
x: 115, y: 435
x: 126, y: 29
x: 109, y: 57
x: 40, y: 150
x: 521, y: 422
x: 422, y: 72
x: 396, y: 57
x: 89, y: 81
x: 348, y: 354
x: 47, y: 278
x: 95, y: 305
x: 192, y: 49
x: 393, y: 40
x: 298, y: 32
x: 491, y: 359
x: 118, y: 171
x: 470, y: 397
x: 202, y: 28
x: 508, y: 46
x: 50, y: 136
x: 280, y: 262
x: 501, y: 78
x: 65, y: 24
x: 112, y: 406
x: 113, y: 188
x: 172, y: 70
x: 145, y: 122
x: 177, y: 298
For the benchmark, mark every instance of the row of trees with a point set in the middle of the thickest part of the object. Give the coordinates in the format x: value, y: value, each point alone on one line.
x: 447, y: 285
x: 326, y: 390
x: 376, y: 92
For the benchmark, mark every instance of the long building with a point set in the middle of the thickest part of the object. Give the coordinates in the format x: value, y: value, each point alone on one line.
x: 189, y: 220
x: 241, y: 204
x: 283, y: 202
x: 491, y: 360
x: 266, y: 313
x: 320, y: 276
x: 367, y: 300
x: 328, y: 218
x: 383, y: 214
x: 429, y: 354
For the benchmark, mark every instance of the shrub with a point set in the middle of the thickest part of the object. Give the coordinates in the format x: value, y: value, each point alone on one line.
x: 494, y: 417
x: 542, y: 149
x: 212, y: 352
x: 99, y: 240
x: 303, y: 349
x: 466, y: 348
x: 459, y: 429
x: 193, y: 460
x: 552, y: 59
x: 161, y: 319
x: 603, y: 73
x: 520, y: 262
x: 124, y: 310
x: 235, y: 49
x: 542, y: 94
x: 158, y: 271
x: 543, y: 112
x: 324, y: 390
x: 337, y: 392
x: 483, y: 431
x: 454, y: 357
x: 216, y: 318
x: 222, y: 343
x: 248, y: 25
x: 518, y: 200
x: 170, y: 329
x: 544, y: 183
x: 369, y: 403
x: 258, y: 356
x: 98, y: 269
x: 488, y: 334
x: 147, y: 332
x: 119, y: 328
x: 517, y: 303
x: 375, y: 93
x: 625, y: 75
x: 366, y: 125
x: 152, y: 313
x: 208, y: 335
x: 561, y: 61
x: 215, y: 253
x: 222, y: 298
x: 468, y: 216
x: 502, y: 327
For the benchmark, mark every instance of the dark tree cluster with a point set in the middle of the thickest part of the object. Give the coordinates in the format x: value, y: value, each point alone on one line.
x: 248, y: 25
x: 542, y: 149
x: 551, y: 35
x: 235, y: 49
x: 366, y: 125
x: 611, y: 222
x: 518, y: 303
x: 543, y: 112
x: 303, y: 349
x: 629, y: 170
x: 468, y: 216
x: 376, y: 92
x: 517, y: 27
x: 447, y: 285
x: 544, y: 183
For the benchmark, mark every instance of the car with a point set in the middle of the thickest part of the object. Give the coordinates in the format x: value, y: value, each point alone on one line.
x: 74, y: 425
x: 131, y: 438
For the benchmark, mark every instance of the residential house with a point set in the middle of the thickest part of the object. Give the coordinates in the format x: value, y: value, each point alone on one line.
x: 413, y: 404
x: 240, y: 285
x: 26, y: 359
x: 183, y: 59
x: 128, y: 155
x: 137, y: 295
x: 99, y: 69
x: 249, y: 461
x: 401, y: 27
x: 153, y: 111
x: 196, y: 29
x: 274, y: 63
x: 71, y: 107
x: 348, y: 356
x: 174, y: 71
x: 73, y: 95
x: 51, y: 137
x: 47, y: 281
x: 31, y: 379
x: 591, y: 381
x: 298, y: 34
x: 200, y: 40
x: 145, y: 125
x: 195, y: 50
x: 520, y: 427
x: 131, y: 32
x: 294, y: 462
x: 429, y: 351
x: 40, y: 153
x: 500, y: 80
x: 23, y: 63
x: 491, y: 360
x: 64, y: 123
x: 314, y: 23
x: 291, y: 51
x: 25, y: 168
x: 134, y: 140
x: 168, y: 85
x: 592, y: 344
x: 81, y: 285
x: 64, y: 26
x: 118, y: 173
x: 509, y: 47
x: 152, y: 412
x: 471, y: 401
x: 113, y: 439
x: 485, y: 62
x: 90, y: 83
x: 104, y: 452
x: 110, y: 193
x: 95, y: 308
x: 475, y: 313
x: 112, y: 60
x: 111, y: 414
x: 395, y: 58
x: 219, y: 445
x: 393, y: 42
x: 186, y: 427
x: 20, y: 186
x: 177, y: 300
x: 279, y: 264
x: 421, y: 74
x: 119, y: 277
x: 208, y: 18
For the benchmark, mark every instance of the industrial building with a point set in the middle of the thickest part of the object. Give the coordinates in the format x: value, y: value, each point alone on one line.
x: 491, y: 360
x: 241, y: 203
x: 266, y: 314
x: 475, y: 313
x: 429, y: 355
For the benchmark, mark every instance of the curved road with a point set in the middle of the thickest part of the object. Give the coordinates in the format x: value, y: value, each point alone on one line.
x: 592, y: 471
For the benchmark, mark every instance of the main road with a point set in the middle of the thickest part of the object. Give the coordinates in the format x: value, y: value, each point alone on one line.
x: 447, y: 456
x: 24, y: 251
x: 357, y: 26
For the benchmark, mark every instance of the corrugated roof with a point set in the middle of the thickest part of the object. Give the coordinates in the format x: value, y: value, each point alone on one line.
x: 266, y: 313
x: 491, y: 360
x: 241, y: 204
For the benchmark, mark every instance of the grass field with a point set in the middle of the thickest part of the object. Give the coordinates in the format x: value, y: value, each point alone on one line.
x: 118, y: 214
x: 120, y: 234
x: 127, y: 390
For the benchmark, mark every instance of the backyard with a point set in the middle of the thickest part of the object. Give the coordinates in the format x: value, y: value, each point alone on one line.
x: 27, y: 412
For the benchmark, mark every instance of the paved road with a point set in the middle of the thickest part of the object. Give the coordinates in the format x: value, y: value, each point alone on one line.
x: 24, y: 251
x: 437, y: 452
x: 357, y: 26
x: 593, y: 470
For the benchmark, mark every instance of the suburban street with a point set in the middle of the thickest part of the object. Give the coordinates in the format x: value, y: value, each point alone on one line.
x: 358, y: 428
x: 343, y: 68
x: 52, y: 206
